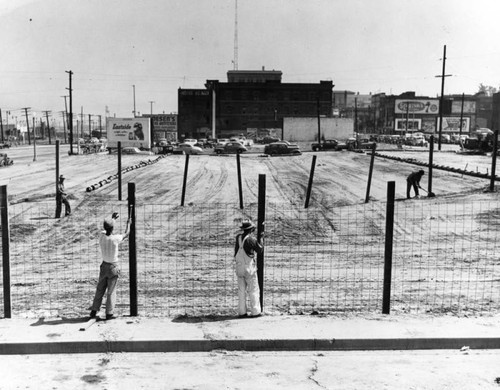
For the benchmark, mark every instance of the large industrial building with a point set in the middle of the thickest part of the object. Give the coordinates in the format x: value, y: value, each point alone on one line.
x: 250, y: 103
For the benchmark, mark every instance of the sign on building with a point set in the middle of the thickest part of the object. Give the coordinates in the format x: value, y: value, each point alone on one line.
x: 417, y: 106
x: 469, y: 107
x: 452, y: 124
x: 164, y: 126
x: 413, y: 124
x: 130, y: 132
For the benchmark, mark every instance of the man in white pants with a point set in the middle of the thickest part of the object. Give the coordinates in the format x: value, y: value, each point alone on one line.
x: 109, y: 271
x: 246, y: 269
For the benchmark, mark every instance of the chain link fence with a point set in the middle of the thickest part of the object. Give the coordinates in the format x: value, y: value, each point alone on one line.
x: 321, y: 259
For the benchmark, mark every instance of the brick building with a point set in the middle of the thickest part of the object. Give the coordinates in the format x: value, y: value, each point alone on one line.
x: 250, y: 103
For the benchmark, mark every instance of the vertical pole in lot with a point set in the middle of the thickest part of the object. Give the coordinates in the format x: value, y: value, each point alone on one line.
x: 119, y: 170
x: 431, y: 161
x: 58, y: 203
x: 370, y: 172
x: 240, y: 189
x: 261, y: 219
x: 389, y: 235
x: 4, y: 219
x: 309, y: 185
x: 132, y: 250
x: 186, y: 167
x: 494, y: 161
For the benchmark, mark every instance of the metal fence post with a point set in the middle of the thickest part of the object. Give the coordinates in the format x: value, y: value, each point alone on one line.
x: 4, y: 219
x: 240, y: 189
x: 132, y: 250
x: 389, y: 235
x: 261, y: 219
x: 119, y: 170
x: 370, y: 172
x: 431, y: 161
x: 184, y: 181
x: 309, y: 185
x: 494, y: 161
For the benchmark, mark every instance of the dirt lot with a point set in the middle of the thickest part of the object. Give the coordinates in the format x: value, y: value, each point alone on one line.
x: 328, y: 258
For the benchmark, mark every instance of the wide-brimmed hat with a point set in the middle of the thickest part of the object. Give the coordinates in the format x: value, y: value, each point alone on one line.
x: 247, y: 225
x: 108, y: 223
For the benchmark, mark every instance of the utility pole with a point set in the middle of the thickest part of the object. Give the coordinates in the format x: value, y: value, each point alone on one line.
x: 462, y: 113
x: 90, y: 125
x: 64, y: 113
x: 151, y: 102
x: 34, y: 140
x: 134, y: 100
x: 82, y: 135
x: 441, y: 100
x: 100, y: 126
x: 70, y: 115
x: 1, y: 124
x: 27, y: 123
x: 48, y: 125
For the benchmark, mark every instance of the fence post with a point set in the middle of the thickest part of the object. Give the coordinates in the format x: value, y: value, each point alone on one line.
x: 119, y: 170
x: 261, y: 219
x: 389, y: 235
x: 431, y: 161
x: 132, y: 250
x: 4, y: 219
x: 186, y: 167
x: 370, y: 172
x: 494, y: 161
x: 58, y: 201
x: 240, y: 189
x: 309, y: 185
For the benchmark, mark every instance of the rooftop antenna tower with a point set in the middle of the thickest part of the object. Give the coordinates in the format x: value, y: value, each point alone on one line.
x: 235, y: 60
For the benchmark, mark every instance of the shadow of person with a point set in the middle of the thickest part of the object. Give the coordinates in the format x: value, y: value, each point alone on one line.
x: 208, y: 318
x: 60, y: 321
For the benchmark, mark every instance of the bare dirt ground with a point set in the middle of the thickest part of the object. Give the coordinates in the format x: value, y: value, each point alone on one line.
x: 183, y: 265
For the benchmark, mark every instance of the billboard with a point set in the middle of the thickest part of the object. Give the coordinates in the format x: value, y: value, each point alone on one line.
x: 452, y: 124
x: 413, y: 124
x: 130, y: 132
x: 417, y: 106
x: 469, y: 107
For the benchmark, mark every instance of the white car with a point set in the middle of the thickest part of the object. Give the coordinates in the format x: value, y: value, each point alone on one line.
x: 188, y: 149
x: 191, y: 141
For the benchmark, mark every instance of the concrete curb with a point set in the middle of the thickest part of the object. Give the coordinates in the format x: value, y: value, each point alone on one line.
x: 70, y: 347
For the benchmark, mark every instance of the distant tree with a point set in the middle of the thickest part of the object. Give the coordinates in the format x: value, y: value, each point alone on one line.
x: 488, y: 90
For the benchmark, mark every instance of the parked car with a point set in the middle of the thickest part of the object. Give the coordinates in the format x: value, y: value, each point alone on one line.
x: 4, y: 160
x: 282, y: 147
x: 162, y: 142
x: 230, y: 147
x: 329, y: 144
x: 222, y: 141
x: 130, y: 150
x: 268, y: 140
x: 186, y: 148
x: 190, y: 141
x: 5, y: 145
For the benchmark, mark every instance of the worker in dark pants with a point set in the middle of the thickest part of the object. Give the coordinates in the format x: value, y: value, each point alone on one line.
x: 62, y: 197
x: 413, y: 180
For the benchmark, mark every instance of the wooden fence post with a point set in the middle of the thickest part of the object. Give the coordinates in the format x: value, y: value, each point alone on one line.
x: 4, y: 219
x: 309, y: 185
x: 389, y: 236
x: 119, y: 170
x: 494, y: 161
x: 370, y: 172
x: 132, y: 249
x: 240, y: 189
x: 261, y: 219
x: 184, y: 181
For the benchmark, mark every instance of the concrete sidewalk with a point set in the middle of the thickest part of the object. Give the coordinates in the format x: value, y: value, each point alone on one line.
x: 266, y: 333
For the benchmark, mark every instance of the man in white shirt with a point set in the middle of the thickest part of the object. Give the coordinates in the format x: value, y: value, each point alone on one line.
x: 109, y: 271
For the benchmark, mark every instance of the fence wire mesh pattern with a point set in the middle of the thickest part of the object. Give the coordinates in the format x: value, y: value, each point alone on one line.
x: 324, y: 259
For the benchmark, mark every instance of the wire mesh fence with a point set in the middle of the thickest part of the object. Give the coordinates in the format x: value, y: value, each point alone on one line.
x: 323, y: 259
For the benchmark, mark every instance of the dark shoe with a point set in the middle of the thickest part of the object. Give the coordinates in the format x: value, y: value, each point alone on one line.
x: 93, y: 314
x: 110, y: 317
x: 243, y: 315
x: 255, y: 315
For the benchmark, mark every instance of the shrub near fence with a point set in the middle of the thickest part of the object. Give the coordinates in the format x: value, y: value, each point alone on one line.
x: 323, y: 259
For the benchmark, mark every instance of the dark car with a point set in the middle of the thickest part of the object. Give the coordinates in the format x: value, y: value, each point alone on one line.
x: 329, y: 144
x: 282, y: 147
x: 230, y: 147
x: 267, y: 140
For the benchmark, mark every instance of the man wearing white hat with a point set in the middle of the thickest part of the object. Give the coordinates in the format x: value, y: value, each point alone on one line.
x: 62, y: 197
x: 109, y: 270
x: 246, y: 269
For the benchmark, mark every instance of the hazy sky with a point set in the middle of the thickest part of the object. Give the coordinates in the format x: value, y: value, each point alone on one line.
x: 389, y: 46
